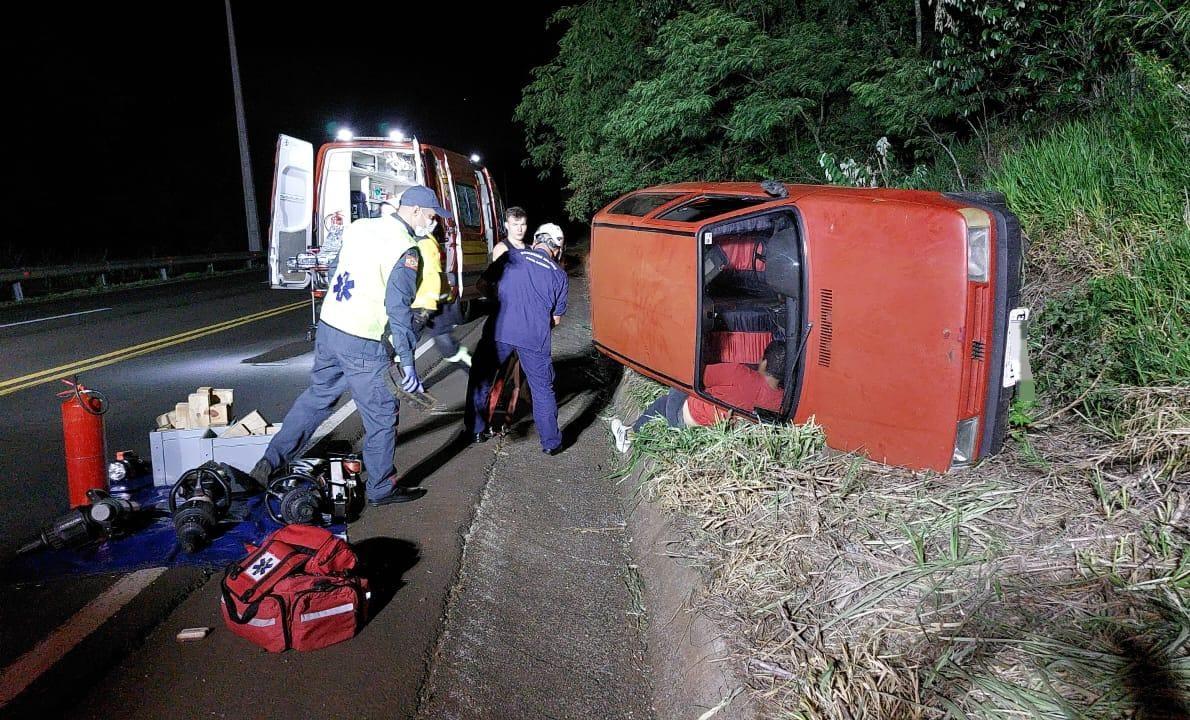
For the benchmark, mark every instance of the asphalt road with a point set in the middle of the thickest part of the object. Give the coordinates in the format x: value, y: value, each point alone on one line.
x: 507, y: 591
x: 139, y: 388
x: 186, y: 326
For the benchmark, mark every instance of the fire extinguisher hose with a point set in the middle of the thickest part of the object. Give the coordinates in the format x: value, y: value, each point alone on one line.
x: 92, y: 401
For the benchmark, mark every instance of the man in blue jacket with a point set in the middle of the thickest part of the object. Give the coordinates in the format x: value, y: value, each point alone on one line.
x: 532, y: 289
x: 365, y: 324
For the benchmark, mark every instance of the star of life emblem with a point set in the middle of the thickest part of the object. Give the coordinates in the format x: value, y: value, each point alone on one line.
x: 343, y: 285
x: 263, y: 565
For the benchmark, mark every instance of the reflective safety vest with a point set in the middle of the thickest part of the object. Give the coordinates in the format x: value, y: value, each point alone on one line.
x: 354, y: 302
x: 430, y: 286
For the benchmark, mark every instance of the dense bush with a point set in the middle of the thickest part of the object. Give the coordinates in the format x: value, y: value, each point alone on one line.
x: 1104, y: 199
x: 664, y: 90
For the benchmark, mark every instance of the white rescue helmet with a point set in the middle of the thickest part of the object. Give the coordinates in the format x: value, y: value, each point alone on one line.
x: 549, y: 234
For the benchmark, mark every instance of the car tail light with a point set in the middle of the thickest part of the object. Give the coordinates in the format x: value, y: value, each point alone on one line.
x: 978, y: 243
x: 964, y: 443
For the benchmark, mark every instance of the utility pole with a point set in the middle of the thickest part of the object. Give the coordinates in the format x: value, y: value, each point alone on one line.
x: 242, y: 128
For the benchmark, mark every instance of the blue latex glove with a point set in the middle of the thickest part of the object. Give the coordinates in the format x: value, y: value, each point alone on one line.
x: 411, y: 383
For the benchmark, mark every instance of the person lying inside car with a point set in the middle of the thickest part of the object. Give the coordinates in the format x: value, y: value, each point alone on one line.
x: 734, y: 384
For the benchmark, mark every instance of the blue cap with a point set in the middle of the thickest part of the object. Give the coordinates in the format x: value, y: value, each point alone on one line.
x: 422, y: 196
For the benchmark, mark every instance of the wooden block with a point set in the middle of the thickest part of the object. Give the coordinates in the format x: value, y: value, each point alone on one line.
x: 173, y: 419
x: 235, y: 431
x: 199, y: 402
x: 200, y: 405
x: 164, y: 422
x: 183, y: 419
x: 192, y: 634
x: 255, y: 423
x: 225, y: 395
x: 219, y: 415
x: 205, y: 390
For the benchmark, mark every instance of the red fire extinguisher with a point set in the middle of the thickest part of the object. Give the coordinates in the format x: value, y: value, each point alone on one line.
x: 82, y: 429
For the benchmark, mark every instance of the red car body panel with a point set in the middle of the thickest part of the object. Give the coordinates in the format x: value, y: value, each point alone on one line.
x: 885, y: 357
x: 638, y: 285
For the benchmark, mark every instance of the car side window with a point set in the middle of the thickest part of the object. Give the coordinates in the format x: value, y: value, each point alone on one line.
x: 642, y: 204
x: 708, y: 206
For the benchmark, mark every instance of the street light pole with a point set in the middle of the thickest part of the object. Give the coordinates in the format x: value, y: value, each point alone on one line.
x: 242, y: 129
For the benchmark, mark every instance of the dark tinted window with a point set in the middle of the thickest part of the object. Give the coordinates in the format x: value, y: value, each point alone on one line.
x: 707, y: 206
x: 642, y: 204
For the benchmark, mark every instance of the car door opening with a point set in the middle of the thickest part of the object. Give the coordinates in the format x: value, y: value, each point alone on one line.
x: 751, y: 296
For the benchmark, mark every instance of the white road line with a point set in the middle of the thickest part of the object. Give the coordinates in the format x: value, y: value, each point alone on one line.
x: 30, y: 666
x: 54, y: 317
x: 328, y: 426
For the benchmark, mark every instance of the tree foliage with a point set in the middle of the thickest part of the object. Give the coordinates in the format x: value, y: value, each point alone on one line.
x: 667, y: 90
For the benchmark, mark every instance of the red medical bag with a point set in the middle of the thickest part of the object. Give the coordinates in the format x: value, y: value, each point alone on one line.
x: 296, y: 590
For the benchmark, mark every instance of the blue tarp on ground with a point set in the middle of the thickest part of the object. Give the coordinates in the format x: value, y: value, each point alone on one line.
x: 152, y: 543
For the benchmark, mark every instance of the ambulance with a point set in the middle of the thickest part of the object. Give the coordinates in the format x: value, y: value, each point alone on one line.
x: 898, y: 309
x: 315, y: 197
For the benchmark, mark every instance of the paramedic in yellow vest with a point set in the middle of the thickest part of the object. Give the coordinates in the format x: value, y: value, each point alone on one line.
x: 436, y: 310
x: 429, y: 287
x: 365, y: 325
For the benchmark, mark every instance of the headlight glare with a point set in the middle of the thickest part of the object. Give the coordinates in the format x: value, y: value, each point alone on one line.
x: 977, y: 254
x: 979, y: 243
x: 116, y: 471
x: 964, y: 442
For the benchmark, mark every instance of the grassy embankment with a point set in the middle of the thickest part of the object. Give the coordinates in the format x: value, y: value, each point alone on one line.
x: 1052, y: 581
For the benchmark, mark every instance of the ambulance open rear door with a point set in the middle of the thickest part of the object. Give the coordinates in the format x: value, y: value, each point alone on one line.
x: 292, y: 210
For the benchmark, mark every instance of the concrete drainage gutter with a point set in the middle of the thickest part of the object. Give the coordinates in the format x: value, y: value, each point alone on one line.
x: 693, y: 677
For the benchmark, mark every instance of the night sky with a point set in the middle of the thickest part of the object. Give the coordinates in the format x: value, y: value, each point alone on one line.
x: 126, y: 140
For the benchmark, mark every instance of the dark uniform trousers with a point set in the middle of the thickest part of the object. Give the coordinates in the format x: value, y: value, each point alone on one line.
x: 342, y: 361
x: 490, y: 356
x: 439, y: 326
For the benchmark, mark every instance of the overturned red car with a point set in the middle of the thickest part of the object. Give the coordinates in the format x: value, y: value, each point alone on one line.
x: 897, y: 308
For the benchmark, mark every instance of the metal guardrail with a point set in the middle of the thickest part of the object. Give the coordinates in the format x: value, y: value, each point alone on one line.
x: 164, y: 264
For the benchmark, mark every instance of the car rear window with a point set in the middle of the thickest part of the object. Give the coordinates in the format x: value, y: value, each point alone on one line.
x: 642, y: 204
x: 706, y: 206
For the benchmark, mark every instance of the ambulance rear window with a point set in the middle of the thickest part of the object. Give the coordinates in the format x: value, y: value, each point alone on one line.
x: 642, y: 204
x: 707, y: 206
x: 469, y: 212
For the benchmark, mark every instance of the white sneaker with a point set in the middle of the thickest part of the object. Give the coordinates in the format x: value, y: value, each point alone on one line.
x: 462, y: 356
x: 620, y: 433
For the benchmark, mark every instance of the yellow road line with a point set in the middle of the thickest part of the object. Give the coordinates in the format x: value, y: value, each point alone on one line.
x: 206, y: 330
x: 39, y: 378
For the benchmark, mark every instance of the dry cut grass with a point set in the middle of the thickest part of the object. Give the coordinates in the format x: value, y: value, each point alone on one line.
x: 1027, y: 587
